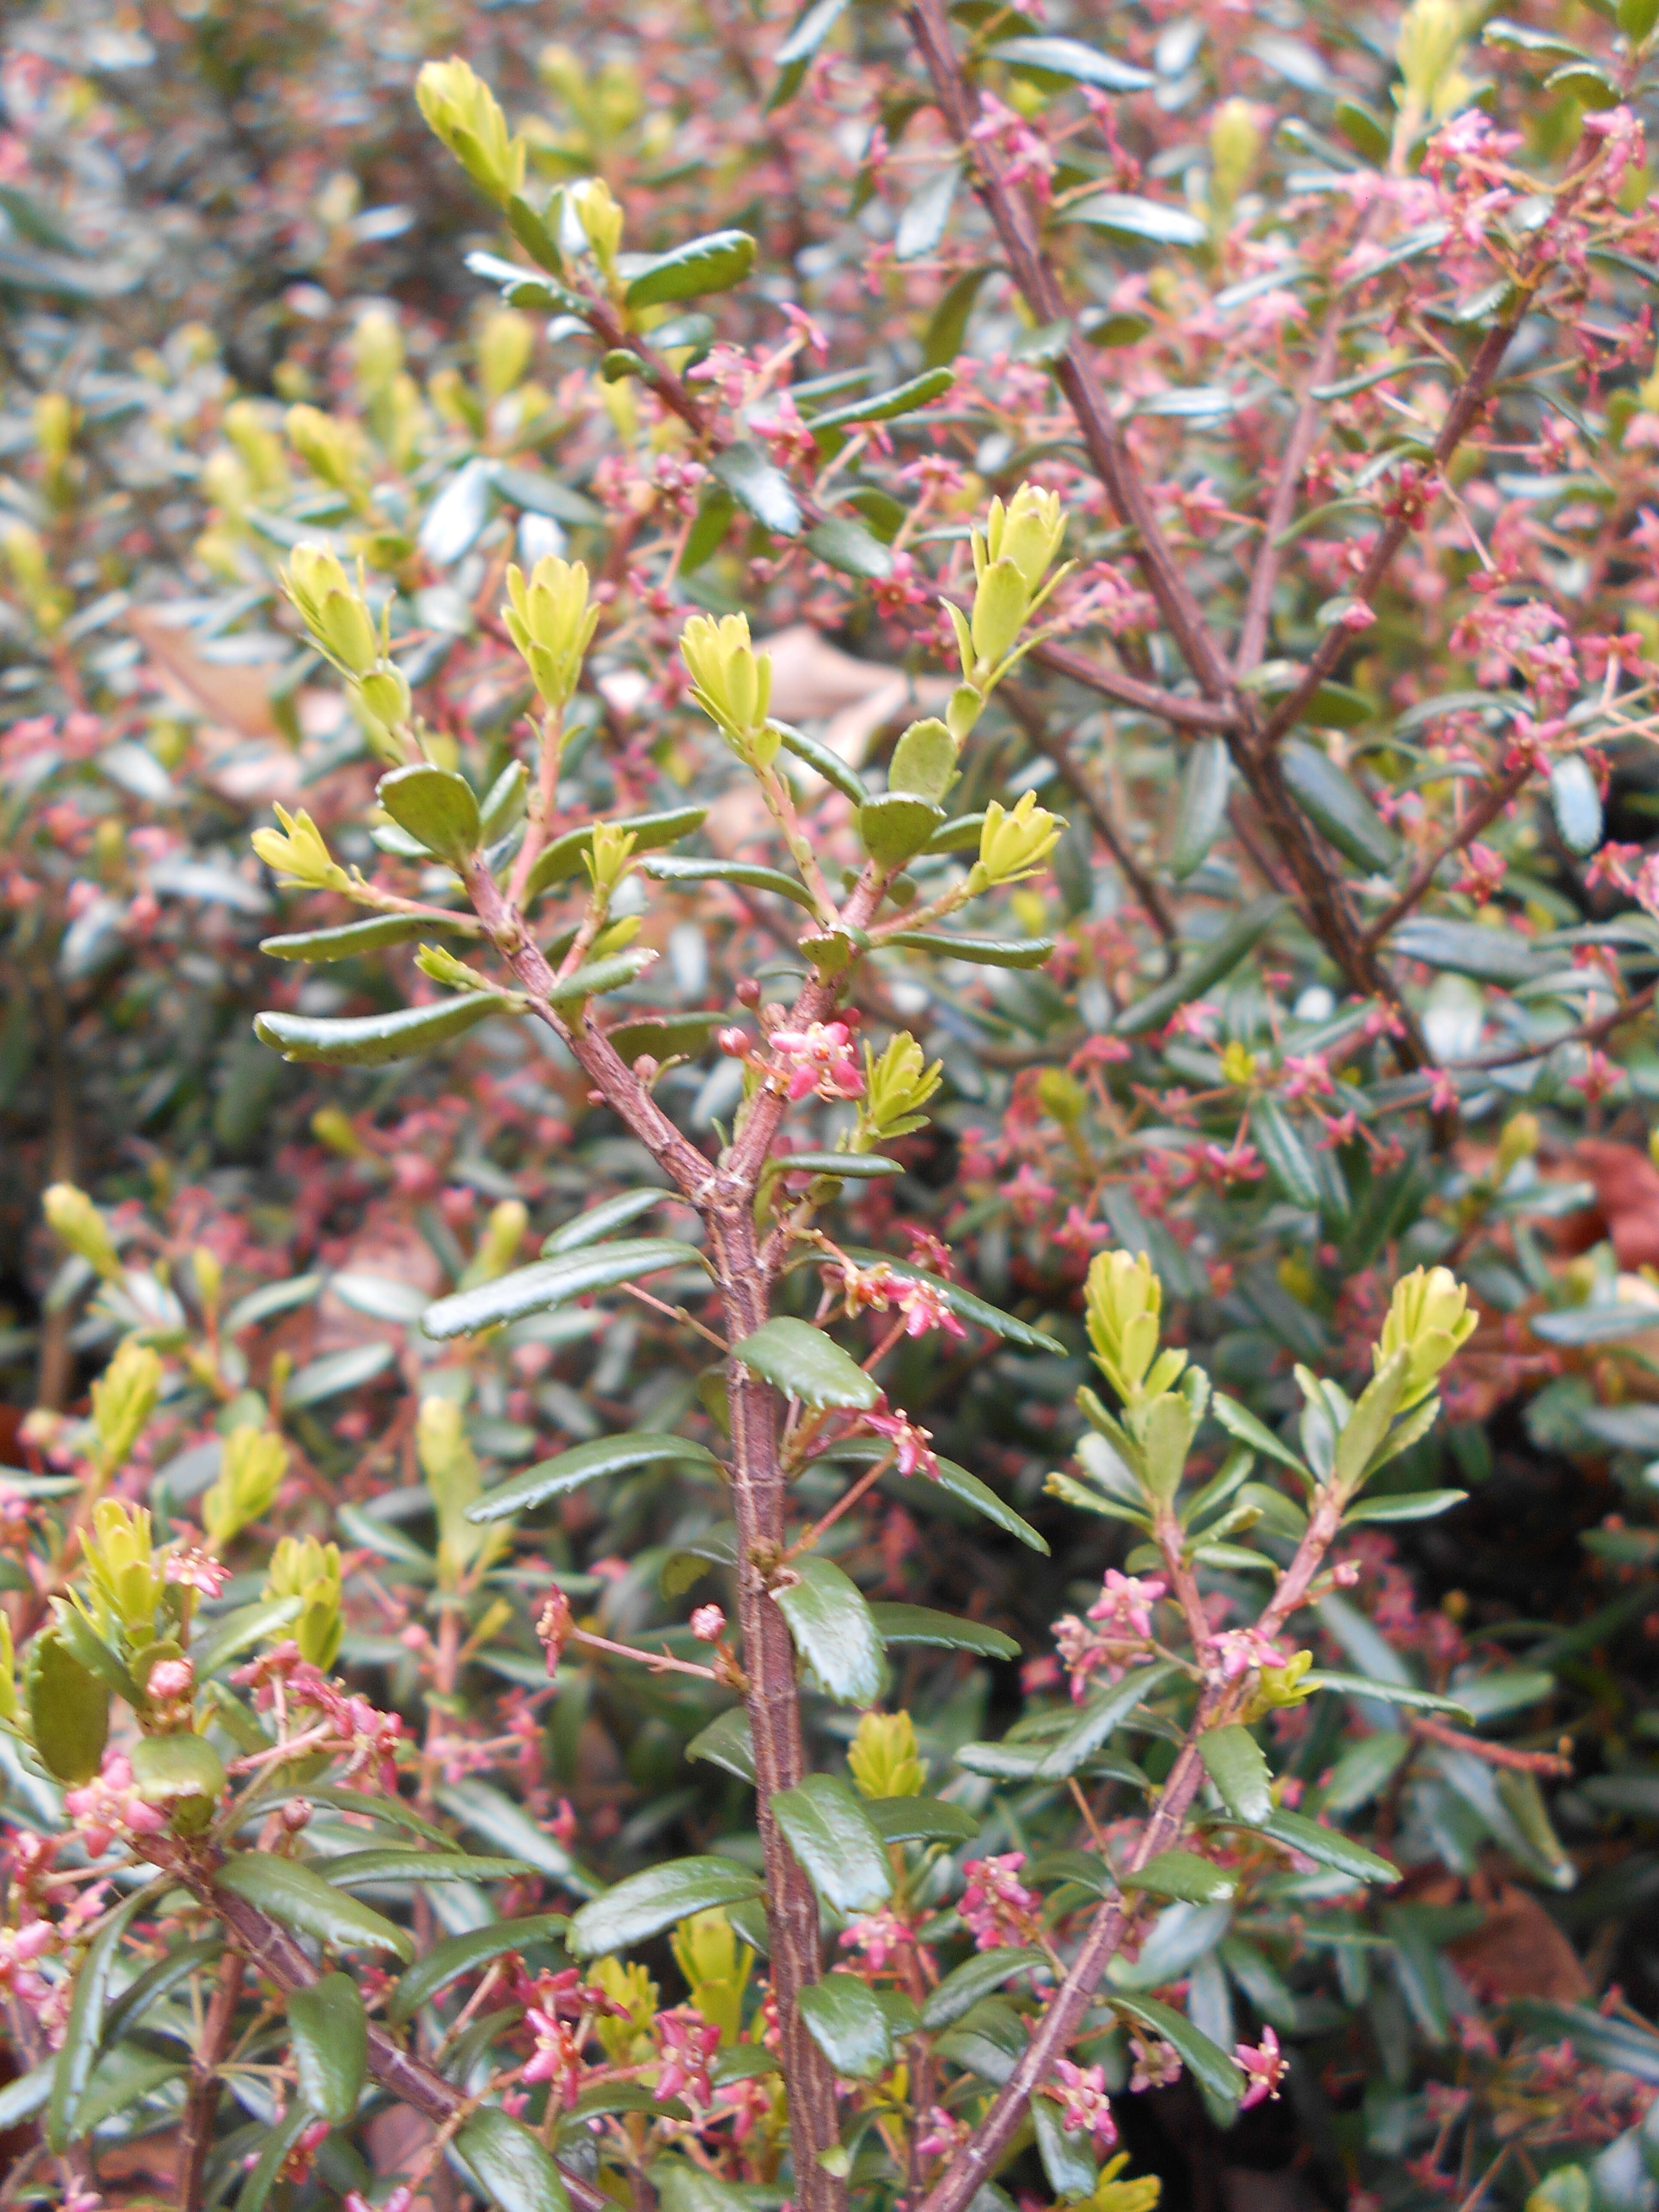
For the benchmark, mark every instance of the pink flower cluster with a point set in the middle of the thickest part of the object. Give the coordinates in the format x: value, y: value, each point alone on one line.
x: 1122, y: 1618
x: 996, y: 1906
x: 819, y: 1057
x: 109, y: 1806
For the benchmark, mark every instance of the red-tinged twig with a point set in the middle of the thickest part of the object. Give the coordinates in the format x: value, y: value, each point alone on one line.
x: 195, y: 2136
x: 1491, y: 1754
x: 867, y: 1480
x: 1486, y: 809
x: 1259, y: 602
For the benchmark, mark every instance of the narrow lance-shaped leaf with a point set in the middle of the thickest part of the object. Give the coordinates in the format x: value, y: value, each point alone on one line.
x: 299, y: 1898
x: 373, y: 1040
x: 585, y: 1463
x: 1236, y: 1762
x: 646, y: 1904
x: 515, y: 2168
x: 82, y: 2037
x: 331, y: 2045
x: 554, y: 1282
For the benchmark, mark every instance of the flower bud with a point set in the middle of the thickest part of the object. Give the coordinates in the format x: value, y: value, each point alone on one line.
x: 551, y: 622
x: 384, y: 698
x: 377, y: 351
x: 1000, y: 606
x: 606, y: 860
x: 328, y: 448
x: 730, y: 681
x: 297, y: 851
x: 76, y: 1222
x: 883, y: 1757
x: 331, y: 609
x: 707, y: 1624
x: 463, y: 112
x: 251, y: 1471
x: 600, y: 217
x: 1012, y: 845
x: 121, y: 1563
x: 734, y: 1042
x: 303, y: 1568
x: 1125, y: 1299
x: 1429, y: 1317
x: 1028, y: 532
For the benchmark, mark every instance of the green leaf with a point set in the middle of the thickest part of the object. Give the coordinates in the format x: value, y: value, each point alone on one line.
x: 584, y: 1463
x: 845, y: 2020
x: 1184, y: 1876
x: 1328, y: 1846
x: 1208, y: 2065
x: 1098, y: 1720
x: 297, y: 1896
x: 1337, y: 807
x: 331, y: 2046
x: 1125, y: 214
x: 922, y: 1821
x: 958, y: 1483
x: 831, y: 1833
x: 660, y: 1896
x: 436, y: 806
x: 281, y: 2140
x: 1279, y: 1142
x: 79, y: 2051
x: 233, y: 1632
x: 1575, y: 798
x: 372, y: 1040
x: 750, y: 873
x: 962, y: 1989
x: 513, y: 2168
x: 682, y: 2188
x: 1364, y: 1770
x: 390, y: 1862
x: 554, y: 1282
x: 1236, y: 1762
x: 1240, y: 1423
x: 1205, y: 785
x: 1596, y: 2040
x: 895, y: 826
x: 1218, y: 959
x: 352, y: 939
x: 85, y: 1643
x: 711, y: 264
x: 805, y: 35
x: 1413, y: 1506
x: 21, y: 2100
x: 885, y: 406
x: 491, y: 1813
x: 600, y: 976
x: 919, y: 1623
x: 841, y: 544
x: 846, y: 1167
x: 834, y: 1630
x: 726, y: 1742
x: 157, y: 1981
x: 664, y: 1036
x: 1070, y: 57
x: 979, y: 952
x: 1068, y: 2161
x: 803, y: 1363
x: 1594, y: 1324
x: 171, y: 1769
x: 598, y: 1221
x: 1369, y: 1421
x: 760, y: 485
x: 947, y: 327
x: 824, y: 759
x: 715, y: 508
x: 1469, y: 948
x: 1390, y: 1693
x: 68, y: 1708
x: 447, y: 1961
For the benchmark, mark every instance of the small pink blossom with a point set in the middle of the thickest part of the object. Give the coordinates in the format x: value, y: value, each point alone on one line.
x: 1265, y: 2068
x: 1080, y: 2092
x: 820, y: 1058
x: 197, y: 1569
x: 915, y: 1444
x: 689, y: 2042
x: 558, y: 2059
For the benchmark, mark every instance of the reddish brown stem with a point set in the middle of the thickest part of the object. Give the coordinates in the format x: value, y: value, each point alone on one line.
x: 1490, y: 805
x: 196, y: 2137
x: 1491, y: 1754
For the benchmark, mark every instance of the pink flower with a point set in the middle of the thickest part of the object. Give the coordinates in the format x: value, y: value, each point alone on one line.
x: 1156, y: 2064
x: 108, y: 1806
x: 875, y: 1937
x: 171, y: 1678
x: 1080, y: 2093
x: 1238, y: 1650
x: 198, y: 1570
x: 1126, y: 1601
x: 557, y: 2057
x: 1265, y: 2068
x: 820, y: 1058
x: 707, y: 1624
x: 555, y: 1626
x: 689, y: 2042
x: 996, y: 1906
x: 915, y: 1452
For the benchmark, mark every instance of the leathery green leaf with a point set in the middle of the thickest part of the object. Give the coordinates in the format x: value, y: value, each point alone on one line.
x: 802, y: 1361
x: 80, y: 2046
x: 845, y: 2020
x: 584, y: 1463
x: 832, y: 1835
x: 515, y: 2168
x: 554, y: 1282
x: 435, y: 804
x: 298, y: 1897
x: 711, y: 264
x: 1184, y: 1876
x: 834, y: 1630
x: 1236, y: 1762
x: 373, y: 1040
x: 646, y: 1904
x: 331, y: 2045
x: 447, y: 1961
